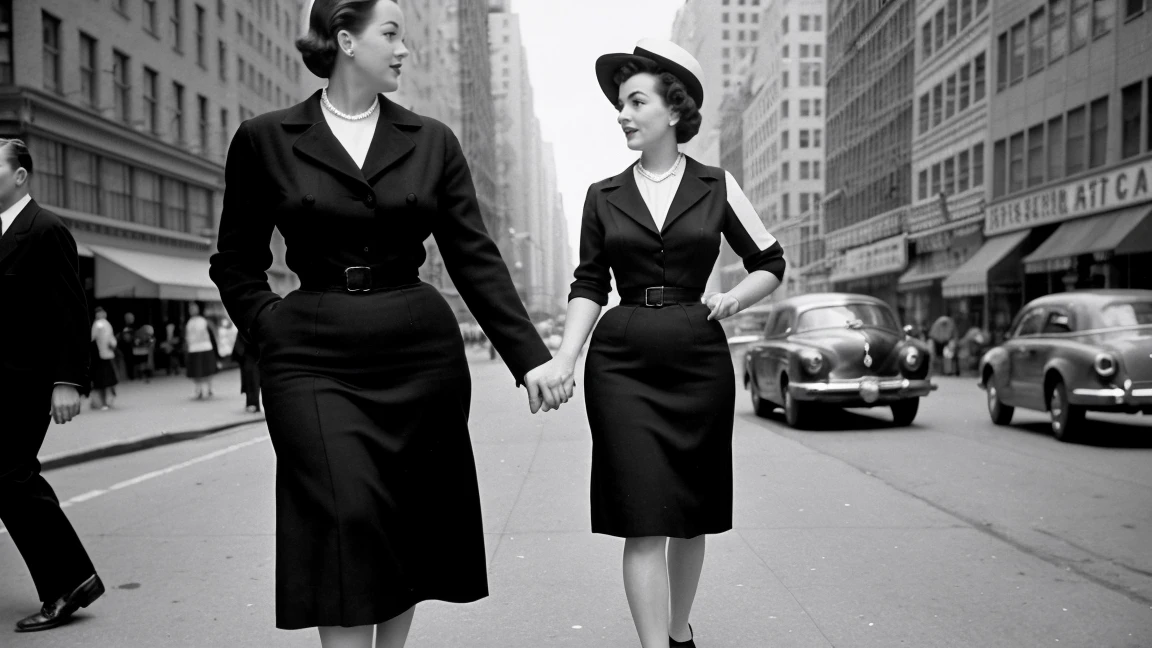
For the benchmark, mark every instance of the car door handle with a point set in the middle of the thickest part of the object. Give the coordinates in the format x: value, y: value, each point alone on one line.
x: 1024, y: 352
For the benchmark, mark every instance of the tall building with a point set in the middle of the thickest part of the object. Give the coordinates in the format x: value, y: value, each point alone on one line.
x: 869, y: 144
x: 950, y: 112
x: 1069, y: 153
x: 128, y: 109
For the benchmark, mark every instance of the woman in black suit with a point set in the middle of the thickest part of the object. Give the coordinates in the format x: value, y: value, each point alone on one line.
x: 365, y: 381
x: 661, y: 390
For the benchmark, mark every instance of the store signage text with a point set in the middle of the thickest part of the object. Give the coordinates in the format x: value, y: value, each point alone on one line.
x: 889, y: 255
x: 1124, y: 186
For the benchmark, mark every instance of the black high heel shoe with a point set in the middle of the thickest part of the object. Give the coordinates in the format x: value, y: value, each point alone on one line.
x: 672, y: 643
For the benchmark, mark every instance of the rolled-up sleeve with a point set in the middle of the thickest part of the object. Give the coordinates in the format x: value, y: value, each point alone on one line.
x: 747, y: 235
x: 593, y: 277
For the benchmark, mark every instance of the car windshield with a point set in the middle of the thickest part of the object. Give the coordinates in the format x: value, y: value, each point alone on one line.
x: 1138, y: 313
x: 846, y: 316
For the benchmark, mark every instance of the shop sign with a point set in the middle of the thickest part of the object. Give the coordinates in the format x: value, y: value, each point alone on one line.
x: 889, y: 255
x: 944, y: 239
x: 1120, y: 187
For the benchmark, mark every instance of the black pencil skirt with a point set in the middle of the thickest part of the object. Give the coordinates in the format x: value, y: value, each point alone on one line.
x: 660, y: 396
x: 377, y: 506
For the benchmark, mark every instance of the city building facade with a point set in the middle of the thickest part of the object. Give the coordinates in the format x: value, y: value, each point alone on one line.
x: 950, y: 113
x: 870, y: 54
x: 128, y: 109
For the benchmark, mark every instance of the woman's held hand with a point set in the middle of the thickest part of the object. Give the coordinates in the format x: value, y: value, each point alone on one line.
x: 551, y: 382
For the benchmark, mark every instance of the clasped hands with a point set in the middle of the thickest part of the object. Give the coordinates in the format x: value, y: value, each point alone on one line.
x: 551, y: 384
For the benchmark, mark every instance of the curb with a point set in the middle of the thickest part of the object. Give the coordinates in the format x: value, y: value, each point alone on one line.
x: 117, y: 448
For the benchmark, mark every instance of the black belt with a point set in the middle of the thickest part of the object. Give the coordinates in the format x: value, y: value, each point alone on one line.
x: 358, y: 279
x: 658, y: 296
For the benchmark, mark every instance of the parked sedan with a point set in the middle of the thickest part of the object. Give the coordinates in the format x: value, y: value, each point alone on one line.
x: 745, y: 328
x: 1071, y: 353
x: 836, y: 349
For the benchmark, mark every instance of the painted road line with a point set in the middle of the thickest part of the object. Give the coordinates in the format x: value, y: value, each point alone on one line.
x: 154, y: 474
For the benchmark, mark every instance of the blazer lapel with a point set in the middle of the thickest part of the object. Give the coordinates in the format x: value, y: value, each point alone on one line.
x: 18, y: 230
x: 389, y: 143
x: 691, y: 190
x: 627, y: 199
x: 317, y: 142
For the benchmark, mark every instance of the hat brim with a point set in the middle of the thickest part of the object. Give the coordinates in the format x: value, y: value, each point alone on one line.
x: 608, y: 64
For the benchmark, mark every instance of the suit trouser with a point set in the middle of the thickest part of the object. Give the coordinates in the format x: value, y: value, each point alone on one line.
x: 29, y: 507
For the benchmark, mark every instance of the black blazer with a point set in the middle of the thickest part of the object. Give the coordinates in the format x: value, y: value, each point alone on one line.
x: 619, y: 234
x: 287, y: 170
x: 44, y: 327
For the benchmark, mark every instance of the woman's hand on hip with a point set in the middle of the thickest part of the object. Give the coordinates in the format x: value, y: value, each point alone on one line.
x: 721, y: 305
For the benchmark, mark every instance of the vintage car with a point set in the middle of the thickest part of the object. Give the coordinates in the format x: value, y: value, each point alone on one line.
x: 1071, y: 353
x: 744, y: 328
x: 835, y: 349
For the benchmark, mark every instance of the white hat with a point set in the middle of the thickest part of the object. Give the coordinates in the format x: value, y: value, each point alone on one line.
x: 664, y: 53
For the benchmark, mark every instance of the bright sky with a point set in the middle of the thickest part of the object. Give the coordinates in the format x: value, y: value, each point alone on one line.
x: 563, y: 40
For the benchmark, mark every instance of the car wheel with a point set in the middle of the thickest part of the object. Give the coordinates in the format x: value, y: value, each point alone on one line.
x: 1067, y: 419
x: 795, y: 411
x: 760, y: 405
x: 1001, y: 414
x: 904, y: 412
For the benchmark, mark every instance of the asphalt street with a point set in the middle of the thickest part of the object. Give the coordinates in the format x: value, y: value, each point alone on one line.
x: 951, y: 532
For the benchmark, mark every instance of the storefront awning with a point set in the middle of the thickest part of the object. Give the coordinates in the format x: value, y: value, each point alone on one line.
x: 920, y: 275
x: 1128, y: 231
x: 991, y: 260
x: 132, y: 273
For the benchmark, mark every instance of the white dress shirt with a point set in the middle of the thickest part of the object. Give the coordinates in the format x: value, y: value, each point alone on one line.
x: 10, y: 214
x: 658, y: 195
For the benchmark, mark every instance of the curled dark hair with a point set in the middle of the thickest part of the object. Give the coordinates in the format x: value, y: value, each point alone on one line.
x: 328, y: 18
x: 674, y: 93
x: 15, y: 152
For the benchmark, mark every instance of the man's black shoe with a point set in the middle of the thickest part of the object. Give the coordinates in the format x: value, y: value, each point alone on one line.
x: 58, y: 611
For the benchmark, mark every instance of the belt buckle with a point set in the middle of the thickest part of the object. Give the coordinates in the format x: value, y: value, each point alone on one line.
x: 358, y: 279
x: 648, y: 302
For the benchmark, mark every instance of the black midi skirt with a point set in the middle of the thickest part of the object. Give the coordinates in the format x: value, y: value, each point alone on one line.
x: 377, y: 506
x: 660, y: 396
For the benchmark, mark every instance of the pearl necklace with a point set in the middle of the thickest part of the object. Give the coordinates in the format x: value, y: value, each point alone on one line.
x: 332, y: 109
x: 663, y: 176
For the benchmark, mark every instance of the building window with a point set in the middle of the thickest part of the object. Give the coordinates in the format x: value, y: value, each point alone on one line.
x: 784, y: 144
x: 5, y: 42
x: 939, y: 29
x: 925, y: 110
x: 202, y: 113
x: 149, y: 17
x: 225, y: 135
x: 178, y: 112
x: 816, y: 134
x: 950, y: 97
x: 937, y: 104
x: 953, y: 19
x: 201, y: 53
x: 784, y: 173
x: 151, y: 81
x: 1056, y: 148
x: 784, y: 109
x: 222, y: 59
x: 240, y: 69
x: 1036, y: 155
x: 816, y: 107
x: 51, y: 38
x: 147, y: 191
x: 922, y: 185
x: 1057, y: 29
x: 240, y: 25
x: 48, y: 180
x: 1102, y: 14
x: 784, y: 25
x: 1016, y: 163
x: 724, y: 18
x: 949, y: 187
x: 177, y: 32
x: 1134, y: 7
x: 175, y: 206
x: 805, y: 24
x: 978, y: 161
x: 83, y: 193
x: 220, y: 10
x: 199, y: 210
x: 1081, y: 21
x: 926, y: 41
x: 962, y: 171
x: 1002, y: 62
x: 935, y: 179
x: 1098, y: 132
x: 1074, y: 148
x: 979, y: 79
x: 122, y: 81
x: 965, y: 13
x: 89, y: 71
x: 999, y: 167
x: 115, y: 190
x: 965, y: 87
x: 804, y: 203
x: 1037, y: 34
x: 804, y: 138
x: 1130, y: 109
x: 816, y: 170
x: 817, y: 23
x: 1019, y: 46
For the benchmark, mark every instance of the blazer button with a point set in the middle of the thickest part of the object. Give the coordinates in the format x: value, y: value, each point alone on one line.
x: 411, y: 199
x: 308, y: 200
x: 370, y: 201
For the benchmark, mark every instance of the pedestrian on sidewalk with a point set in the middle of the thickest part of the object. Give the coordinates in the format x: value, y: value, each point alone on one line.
x: 365, y: 379
x: 245, y: 355
x: 104, y: 378
x: 659, y: 380
x: 40, y: 383
x: 201, y: 352
x: 125, y: 343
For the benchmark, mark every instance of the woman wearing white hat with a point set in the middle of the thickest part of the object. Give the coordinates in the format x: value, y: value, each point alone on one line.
x: 661, y: 391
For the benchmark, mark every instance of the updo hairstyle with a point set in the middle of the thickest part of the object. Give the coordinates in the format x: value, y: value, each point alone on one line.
x: 327, y: 18
x: 675, y: 95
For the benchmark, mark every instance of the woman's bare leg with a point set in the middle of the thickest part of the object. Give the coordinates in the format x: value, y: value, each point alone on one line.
x: 337, y: 637
x: 685, y: 561
x: 394, y: 632
x: 646, y: 585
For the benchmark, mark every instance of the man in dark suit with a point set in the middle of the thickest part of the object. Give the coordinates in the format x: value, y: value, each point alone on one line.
x: 43, y: 372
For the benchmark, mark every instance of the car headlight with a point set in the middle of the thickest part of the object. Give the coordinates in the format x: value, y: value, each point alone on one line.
x: 1105, y: 365
x: 812, y: 361
x: 912, y: 358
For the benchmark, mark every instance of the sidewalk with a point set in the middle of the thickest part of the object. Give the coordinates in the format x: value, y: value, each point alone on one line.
x: 145, y: 415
